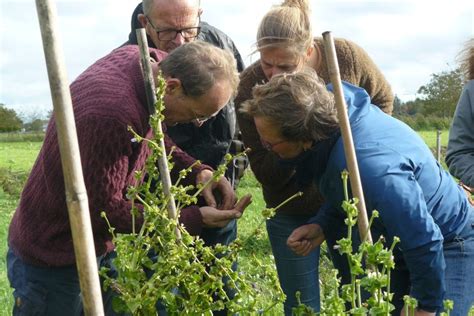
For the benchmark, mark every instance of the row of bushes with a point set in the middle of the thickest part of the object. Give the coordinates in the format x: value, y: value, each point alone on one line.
x: 22, y: 137
x: 426, y: 123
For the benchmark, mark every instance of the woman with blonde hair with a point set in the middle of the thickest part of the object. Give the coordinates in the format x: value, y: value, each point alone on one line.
x: 286, y: 44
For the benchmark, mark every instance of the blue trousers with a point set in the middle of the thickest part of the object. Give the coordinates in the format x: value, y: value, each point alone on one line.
x: 298, y: 273
x: 459, y: 273
x: 50, y: 290
x: 55, y: 290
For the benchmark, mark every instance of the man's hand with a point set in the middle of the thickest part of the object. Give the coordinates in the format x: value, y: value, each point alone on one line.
x: 305, y: 238
x: 212, y: 217
x: 223, y: 186
x: 418, y: 312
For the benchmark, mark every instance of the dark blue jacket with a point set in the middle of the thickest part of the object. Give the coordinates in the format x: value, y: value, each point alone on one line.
x: 417, y: 199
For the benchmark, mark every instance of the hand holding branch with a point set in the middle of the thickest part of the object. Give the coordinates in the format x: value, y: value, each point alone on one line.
x: 213, y: 217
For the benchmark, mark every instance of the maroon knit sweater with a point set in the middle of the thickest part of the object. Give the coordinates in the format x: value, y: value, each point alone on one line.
x: 107, y: 97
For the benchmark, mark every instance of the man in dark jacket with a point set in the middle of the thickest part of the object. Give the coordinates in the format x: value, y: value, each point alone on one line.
x: 207, y: 141
x: 169, y: 24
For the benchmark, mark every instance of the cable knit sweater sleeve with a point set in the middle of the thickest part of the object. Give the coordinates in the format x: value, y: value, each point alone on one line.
x: 107, y: 153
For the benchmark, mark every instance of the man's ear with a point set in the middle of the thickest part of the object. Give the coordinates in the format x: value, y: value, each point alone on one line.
x: 200, y: 11
x: 173, y: 85
x: 142, y: 19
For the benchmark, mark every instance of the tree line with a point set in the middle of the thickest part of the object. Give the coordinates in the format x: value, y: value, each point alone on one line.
x: 434, y: 107
x: 11, y: 121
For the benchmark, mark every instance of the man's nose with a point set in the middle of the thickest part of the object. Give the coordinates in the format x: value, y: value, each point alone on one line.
x: 276, y: 71
x: 179, y: 39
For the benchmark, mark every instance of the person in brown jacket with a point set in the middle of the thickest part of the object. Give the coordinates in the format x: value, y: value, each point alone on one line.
x: 286, y: 44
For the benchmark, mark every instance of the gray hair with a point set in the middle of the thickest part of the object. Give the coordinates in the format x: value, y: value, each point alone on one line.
x: 148, y: 5
x: 199, y: 65
x: 466, y: 60
x: 287, y: 25
x: 298, y: 104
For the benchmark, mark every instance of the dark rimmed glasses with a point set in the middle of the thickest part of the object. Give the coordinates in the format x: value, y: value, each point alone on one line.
x: 170, y: 34
x: 269, y: 146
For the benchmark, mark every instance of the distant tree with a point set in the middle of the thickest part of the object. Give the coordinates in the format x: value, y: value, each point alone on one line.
x: 397, y: 105
x: 37, y: 125
x: 9, y: 120
x: 441, y: 94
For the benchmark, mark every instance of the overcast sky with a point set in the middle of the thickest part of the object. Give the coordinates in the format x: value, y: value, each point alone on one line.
x: 408, y: 39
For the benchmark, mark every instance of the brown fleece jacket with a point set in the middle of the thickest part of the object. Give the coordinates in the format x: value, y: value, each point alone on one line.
x: 356, y: 67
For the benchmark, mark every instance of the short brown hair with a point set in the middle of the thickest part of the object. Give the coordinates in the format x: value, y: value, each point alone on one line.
x: 287, y: 25
x: 298, y: 103
x: 198, y: 65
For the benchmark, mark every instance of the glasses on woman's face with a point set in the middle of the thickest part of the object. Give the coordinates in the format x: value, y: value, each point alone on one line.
x: 170, y: 34
x: 269, y: 146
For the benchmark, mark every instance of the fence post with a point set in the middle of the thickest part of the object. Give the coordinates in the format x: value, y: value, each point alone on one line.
x: 438, y: 145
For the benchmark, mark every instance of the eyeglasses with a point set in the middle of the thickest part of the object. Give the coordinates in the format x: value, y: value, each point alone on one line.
x: 269, y: 146
x: 170, y: 34
x: 200, y: 118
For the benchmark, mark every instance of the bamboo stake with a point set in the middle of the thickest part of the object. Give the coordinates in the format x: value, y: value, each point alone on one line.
x: 151, y: 100
x: 76, y: 194
x: 346, y: 133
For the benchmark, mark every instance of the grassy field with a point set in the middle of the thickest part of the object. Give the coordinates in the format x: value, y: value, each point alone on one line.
x: 16, y: 161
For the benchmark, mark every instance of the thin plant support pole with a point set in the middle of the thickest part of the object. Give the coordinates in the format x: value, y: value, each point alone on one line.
x: 151, y: 100
x: 76, y: 194
x: 349, y: 150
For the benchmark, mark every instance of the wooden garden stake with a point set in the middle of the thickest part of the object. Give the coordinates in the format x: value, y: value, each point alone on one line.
x: 346, y: 133
x: 151, y: 100
x: 76, y: 194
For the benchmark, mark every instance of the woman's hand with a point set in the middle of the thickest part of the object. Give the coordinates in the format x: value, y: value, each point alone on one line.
x: 305, y: 238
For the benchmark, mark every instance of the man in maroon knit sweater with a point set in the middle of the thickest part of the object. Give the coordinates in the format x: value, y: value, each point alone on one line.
x: 108, y: 97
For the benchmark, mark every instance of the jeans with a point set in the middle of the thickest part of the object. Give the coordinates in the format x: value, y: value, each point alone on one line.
x: 296, y: 273
x: 459, y: 274
x: 223, y: 236
x: 51, y: 291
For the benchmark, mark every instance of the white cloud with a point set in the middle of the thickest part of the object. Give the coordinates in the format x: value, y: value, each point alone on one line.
x: 409, y: 40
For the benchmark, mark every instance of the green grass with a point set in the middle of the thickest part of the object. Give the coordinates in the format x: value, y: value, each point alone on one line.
x: 430, y: 138
x: 18, y: 156
x: 16, y: 161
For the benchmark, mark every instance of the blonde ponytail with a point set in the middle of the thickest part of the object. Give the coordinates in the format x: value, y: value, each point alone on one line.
x: 287, y: 25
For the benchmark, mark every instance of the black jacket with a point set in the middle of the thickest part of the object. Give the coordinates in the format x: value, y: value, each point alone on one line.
x: 208, y: 143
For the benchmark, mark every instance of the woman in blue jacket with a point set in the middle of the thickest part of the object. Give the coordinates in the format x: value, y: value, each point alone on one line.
x: 418, y: 201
